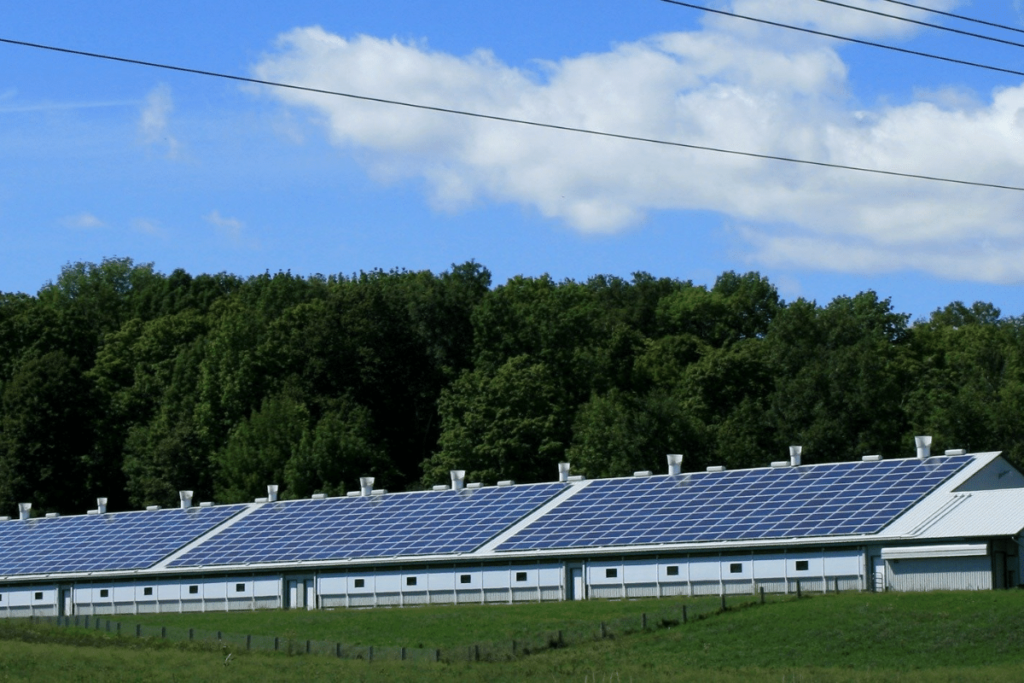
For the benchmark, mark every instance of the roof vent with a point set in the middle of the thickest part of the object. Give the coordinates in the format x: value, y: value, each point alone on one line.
x: 506, y: 482
x: 272, y: 492
x: 206, y: 504
x: 458, y: 479
x: 643, y: 473
x: 716, y: 468
x: 955, y: 451
x: 563, y: 471
x: 152, y: 508
x: 924, y: 447
x: 375, y: 492
x: 365, y: 486
x: 675, y: 464
x: 474, y: 485
x: 101, y: 505
x: 24, y: 510
x: 186, y: 499
x: 259, y: 500
x: 92, y: 512
x: 794, y: 455
x: 5, y: 518
x: 318, y: 496
x: 871, y: 458
x: 353, y: 494
x: 441, y: 487
x: 51, y: 515
x: 780, y: 463
x: 576, y: 477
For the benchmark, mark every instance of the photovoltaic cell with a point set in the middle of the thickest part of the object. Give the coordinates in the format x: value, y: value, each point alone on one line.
x: 114, y: 541
x: 421, y: 523
x: 811, y: 500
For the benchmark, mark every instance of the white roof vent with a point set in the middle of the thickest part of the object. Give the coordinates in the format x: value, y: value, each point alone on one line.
x: 152, y: 508
x: 576, y: 477
x: 318, y: 496
x: 206, y: 504
x: 955, y: 451
x: 643, y: 473
x: 272, y: 492
x: 375, y: 492
x: 352, y: 494
x: 871, y: 458
x: 5, y: 518
x: 924, y: 447
x: 365, y: 486
x: 458, y: 479
x: 101, y: 505
x: 563, y: 471
x: 716, y: 468
x: 506, y: 482
x: 780, y: 463
x: 24, y: 510
x: 260, y: 500
x: 51, y: 515
x: 795, y: 455
x: 440, y: 487
x: 186, y: 499
x: 474, y: 485
x: 675, y: 464
x: 92, y: 512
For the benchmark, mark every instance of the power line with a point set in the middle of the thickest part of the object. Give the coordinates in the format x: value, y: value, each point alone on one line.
x: 922, y: 23
x: 506, y: 119
x: 845, y: 38
x: 957, y: 16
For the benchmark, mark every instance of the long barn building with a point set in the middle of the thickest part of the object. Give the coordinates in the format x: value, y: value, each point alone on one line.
x: 951, y: 521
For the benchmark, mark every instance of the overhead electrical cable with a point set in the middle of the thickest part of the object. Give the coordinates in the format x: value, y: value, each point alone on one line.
x: 504, y: 119
x: 845, y: 38
x: 922, y: 23
x: 957, y: 16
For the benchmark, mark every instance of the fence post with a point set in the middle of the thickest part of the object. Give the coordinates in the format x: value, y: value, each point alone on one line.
x: 138, y: 630
x: 337, y: 650
x: 560, y: 641
x: 723, y: 601
x: 762, y: 595
x: 307, y: 647
x: 643, y: 621
x: 219, y: 635
x: 163, y: 631
x: 248, y: 642
x: 86, y: 622
x: 798, y: 589
x: 119, y: 628
x: 403, y: 654
x: 371, y: 654
x: 684, y: 614
x: 276, y: 644
x: 437, y: 655
x: 837, y: 585
x: 191, y: 634
x: 604, y: 631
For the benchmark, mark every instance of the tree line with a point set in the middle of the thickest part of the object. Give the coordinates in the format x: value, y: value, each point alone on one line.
x: 121, y: 381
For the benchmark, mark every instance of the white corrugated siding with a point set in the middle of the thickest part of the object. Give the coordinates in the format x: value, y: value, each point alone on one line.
x: 942, y: 573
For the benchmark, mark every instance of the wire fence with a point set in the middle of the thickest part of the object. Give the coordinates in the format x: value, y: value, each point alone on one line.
x: 672, y: 614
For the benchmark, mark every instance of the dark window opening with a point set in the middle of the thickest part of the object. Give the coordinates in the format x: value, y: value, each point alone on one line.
x: 736, y: 568
x: 360, y: 583
x: 193, y: 590
x: 611, y: 573
x: 239, y: 587
x: 39, y: 595
x: 465, y: 578
x: 520, y: 576
x: 410, y: 581
x: 147, y: 591
x: 672, y: 570
x: 104, y: 593
x: 802, y: 565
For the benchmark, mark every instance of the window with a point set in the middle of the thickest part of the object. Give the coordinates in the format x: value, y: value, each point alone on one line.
x: 802, y: 565
x: 465, y: 578
x: 410, y: 581
x: 672, y: 570
x: 39, y: 595
x: 147, y: 591
x: 239, y: 587
x: 359, y: 583
x: 104, y: 593
x: 520, y: 576
x: 611, y: 573
x: 736, y: 568
x: 193, y: 590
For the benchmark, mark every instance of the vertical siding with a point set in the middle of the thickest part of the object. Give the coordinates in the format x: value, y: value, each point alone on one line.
x: 943, y: 573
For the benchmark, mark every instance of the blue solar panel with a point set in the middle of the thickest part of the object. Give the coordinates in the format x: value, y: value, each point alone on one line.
x: 421, y: 523
x: 117, y: 541
x: 812, y: 500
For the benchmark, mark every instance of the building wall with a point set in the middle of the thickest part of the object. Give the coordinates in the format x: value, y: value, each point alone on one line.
x: 31, y: 601
x: 940, y: 573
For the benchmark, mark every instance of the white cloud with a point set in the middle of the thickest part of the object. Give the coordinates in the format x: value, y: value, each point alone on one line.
x: 148, y: 227
x: 83, y: 221
x: 712, y: 87
x: 153, y: 123
x: 232, y: 228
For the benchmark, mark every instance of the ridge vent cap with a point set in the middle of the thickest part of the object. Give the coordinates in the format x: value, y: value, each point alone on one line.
x: 319, y: 496
x: 780, y: 463
x: 440, y: 487
x: 375, y: 492
x: 353, y: 494
x: 955, y: 451
x: 716, y: 468
x: 507, y: 482
x: 152, y: 508
x: 474, y: 485
x: 643, y: 473
x: 5, y: 518
x: 206, y: 504
x: 51, y: 515
x: 576, y: 477
x: 92, y: 512
x: 871, y: 458
x: 260, y: 500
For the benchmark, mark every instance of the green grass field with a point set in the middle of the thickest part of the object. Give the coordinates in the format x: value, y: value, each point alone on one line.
x: 849, y: 637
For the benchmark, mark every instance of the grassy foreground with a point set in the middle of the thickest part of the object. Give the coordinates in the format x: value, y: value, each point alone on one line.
x: 850, y: 637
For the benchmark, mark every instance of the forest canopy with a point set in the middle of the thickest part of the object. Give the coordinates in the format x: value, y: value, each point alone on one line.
x: 120, y: 381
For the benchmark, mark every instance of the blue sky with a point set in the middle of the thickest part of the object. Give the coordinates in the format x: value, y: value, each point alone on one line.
x: 100, y: 159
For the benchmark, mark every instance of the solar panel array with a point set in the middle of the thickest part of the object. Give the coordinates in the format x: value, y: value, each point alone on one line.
x: 421, y: 523
x: 117, y: 541
x: 813, y: 500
